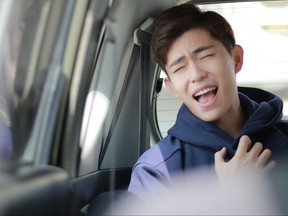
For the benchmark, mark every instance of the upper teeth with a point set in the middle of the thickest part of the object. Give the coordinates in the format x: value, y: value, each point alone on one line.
x: 204, y: 91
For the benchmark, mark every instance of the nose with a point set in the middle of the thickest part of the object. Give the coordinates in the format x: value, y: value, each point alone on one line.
x: 196, y: 73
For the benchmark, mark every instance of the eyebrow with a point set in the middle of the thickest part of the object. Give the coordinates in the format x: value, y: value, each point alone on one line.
x: 196, y: 51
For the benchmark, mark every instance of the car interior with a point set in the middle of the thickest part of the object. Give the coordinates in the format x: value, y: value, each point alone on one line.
x: 82, y: 98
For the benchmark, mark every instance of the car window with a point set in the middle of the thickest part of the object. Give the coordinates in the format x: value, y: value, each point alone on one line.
x: 27, y: 32
x: 261, y: 29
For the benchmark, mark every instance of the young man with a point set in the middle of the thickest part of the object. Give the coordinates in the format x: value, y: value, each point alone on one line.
x: 218, y: 123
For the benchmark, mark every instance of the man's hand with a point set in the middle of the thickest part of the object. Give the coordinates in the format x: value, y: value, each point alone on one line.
x: 245, y: 161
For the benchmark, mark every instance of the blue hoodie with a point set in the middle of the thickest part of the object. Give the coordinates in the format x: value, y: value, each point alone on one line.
x: 192, y: 143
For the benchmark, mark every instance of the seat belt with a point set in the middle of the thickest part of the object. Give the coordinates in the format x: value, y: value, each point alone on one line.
x: 144, y: 39
x: 120, y: 102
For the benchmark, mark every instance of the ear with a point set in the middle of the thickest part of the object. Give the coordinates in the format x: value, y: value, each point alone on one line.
x: 238, y: 54
x: 169, y: 85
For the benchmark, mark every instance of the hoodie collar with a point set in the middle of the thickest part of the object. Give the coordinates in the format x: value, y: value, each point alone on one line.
x: 262, y: 109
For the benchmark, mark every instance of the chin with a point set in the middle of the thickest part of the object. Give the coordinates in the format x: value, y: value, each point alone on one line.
x: 206, y: 118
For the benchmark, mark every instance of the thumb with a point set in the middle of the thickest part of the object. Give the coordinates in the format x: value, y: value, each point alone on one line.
x: 220, y: 155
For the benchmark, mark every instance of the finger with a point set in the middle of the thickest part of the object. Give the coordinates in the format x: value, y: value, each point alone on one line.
x: 255, y: 150
x: 220, y: 155
x: 263, y: 157
x: 270, y: 166
x: 243, y: 146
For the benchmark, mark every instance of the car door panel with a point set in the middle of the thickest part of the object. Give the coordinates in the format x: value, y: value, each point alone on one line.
x: 34, y: 190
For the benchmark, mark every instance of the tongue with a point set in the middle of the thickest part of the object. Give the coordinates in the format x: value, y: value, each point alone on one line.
x: 206, y: 97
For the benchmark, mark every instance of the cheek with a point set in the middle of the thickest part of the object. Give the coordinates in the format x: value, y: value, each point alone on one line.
x: 226, y: 72
x: 182, y: 86
x: 179, y: 82
x: 221, y: 64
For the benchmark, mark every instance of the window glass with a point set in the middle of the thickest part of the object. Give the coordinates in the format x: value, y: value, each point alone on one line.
x: 261, y: 28
x: 26, y: 44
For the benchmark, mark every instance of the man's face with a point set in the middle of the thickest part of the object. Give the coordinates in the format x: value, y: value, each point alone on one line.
x: 203, y: 74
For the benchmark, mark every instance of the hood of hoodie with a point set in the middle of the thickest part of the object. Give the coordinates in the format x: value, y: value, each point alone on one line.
x: 261, y: 108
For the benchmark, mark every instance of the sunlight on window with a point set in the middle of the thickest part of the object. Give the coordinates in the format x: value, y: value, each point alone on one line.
x: 92, y: 124
x: 285, y: 109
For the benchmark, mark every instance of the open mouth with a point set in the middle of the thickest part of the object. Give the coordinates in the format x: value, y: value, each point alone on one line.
x: 205, y: 95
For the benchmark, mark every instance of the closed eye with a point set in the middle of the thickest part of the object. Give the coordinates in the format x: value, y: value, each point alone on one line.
x: 178, y: 69
x: 206, y: 56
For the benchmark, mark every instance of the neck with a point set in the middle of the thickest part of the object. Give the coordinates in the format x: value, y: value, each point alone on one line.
x: 233, y: 121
